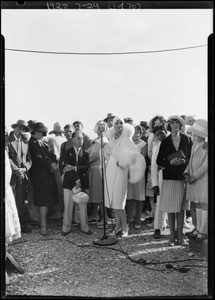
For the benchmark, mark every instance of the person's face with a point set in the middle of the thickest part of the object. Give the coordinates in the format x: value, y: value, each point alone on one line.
x: 18, y: 130
x: 160, y: 135
x: 137, y: 134
x: 68, y: 133
x: 101, y: 127
x: 78, y: 140
x: 78, y: 127
x: 175, y: 125
x: 38, y: 134
x: 118, y: 126
x: 110, y: 122
x: 157, y: 122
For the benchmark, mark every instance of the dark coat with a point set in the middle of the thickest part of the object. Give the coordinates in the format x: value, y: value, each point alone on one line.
x: 44, y: 184
x: 82, y: 165
x: 172, y: 172
x: 15, y: 162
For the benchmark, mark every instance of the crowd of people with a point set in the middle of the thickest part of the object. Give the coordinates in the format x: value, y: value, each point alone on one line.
x: 158, y: 168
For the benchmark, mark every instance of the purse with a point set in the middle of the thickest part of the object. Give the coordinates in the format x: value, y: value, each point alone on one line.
x: 178, y: 154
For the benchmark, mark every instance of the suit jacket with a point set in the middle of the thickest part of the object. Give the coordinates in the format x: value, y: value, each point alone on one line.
x: 82, y: 168
x: 15, y: 161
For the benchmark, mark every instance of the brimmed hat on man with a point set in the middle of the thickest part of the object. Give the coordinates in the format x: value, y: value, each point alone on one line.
x: 128, y: 120
x: 144, y: 124
x: 199, y: 128
x: 109, y: 116
x: 39, y: 126
x: 57, y: 128
x: 21, y: 123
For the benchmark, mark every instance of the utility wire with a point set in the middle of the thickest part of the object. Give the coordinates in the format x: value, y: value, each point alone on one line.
x: 103, y: 53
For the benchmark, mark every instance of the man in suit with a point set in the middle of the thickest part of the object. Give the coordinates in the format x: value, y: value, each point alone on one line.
x: 20, y: 161
x: 76, y: 164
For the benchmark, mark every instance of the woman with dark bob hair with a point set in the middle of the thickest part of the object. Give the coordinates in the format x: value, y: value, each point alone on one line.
x: 42, y: 173
x: 173, y: 157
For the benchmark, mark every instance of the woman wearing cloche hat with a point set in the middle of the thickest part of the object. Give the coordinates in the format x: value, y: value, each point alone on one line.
x: 196, y: 175
x: 173, y: 156
x: 42, y: 171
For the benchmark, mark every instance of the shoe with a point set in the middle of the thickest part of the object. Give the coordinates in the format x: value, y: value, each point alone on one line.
x: 149, y: 220
x: 193, y: 234
x: 26, y: 228
x: 187, y: 234
x: 171, y: 244
x: 200, y: 237
x: 182, y: 243
x: 87, y: 232
x: 125, y: 232
x: 43, y: 230
x: 64, y: 233
x: 137, y: 226
x: 157, y: 234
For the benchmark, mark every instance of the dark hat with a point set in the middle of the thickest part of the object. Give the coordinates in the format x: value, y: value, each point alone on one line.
x: 128, y: 120
x: 21, y: 123
x: 78, y: 122
x: 31, y: 124
x: 57, y: 128
x: 144, y: 124
x: 109, y: 116
x: 40, y: 127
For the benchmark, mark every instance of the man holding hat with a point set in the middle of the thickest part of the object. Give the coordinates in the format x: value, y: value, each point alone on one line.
x: 20, y: 161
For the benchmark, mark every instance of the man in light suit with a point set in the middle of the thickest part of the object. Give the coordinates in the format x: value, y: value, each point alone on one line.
x: 20, y: 161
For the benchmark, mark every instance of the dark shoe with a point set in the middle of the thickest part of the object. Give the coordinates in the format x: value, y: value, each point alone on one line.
x: 149, y: 220
x: 157, y: 234
x: 193, y: 235
x: 64, y: 233
x: 26, y: 228
x: 87, y: 232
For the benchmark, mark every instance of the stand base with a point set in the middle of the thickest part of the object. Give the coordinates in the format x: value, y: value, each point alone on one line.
x: 105, y: 241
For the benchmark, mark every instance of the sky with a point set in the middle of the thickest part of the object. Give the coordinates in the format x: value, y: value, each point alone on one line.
x: 67, y: 87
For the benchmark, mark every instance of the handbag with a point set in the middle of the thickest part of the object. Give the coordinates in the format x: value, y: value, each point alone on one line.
x: 177, y: 154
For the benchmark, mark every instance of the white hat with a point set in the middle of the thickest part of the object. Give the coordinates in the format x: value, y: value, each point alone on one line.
x: 81, y: 197
x: 199, y: 128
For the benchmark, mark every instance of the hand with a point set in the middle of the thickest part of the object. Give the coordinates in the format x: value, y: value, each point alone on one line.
x: 22, y: 170
x: 192, y: 179
x: 174, y: 161
x: 156, y: 190
x: 68, y: 168
x: 205, y: 145
x: 54, y: 166
x: 187, y: 177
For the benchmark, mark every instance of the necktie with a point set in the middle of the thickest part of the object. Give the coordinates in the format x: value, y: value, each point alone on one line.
x: 19, y: 149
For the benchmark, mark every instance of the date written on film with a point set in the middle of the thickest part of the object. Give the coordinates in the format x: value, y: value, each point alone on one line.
x: 93, y: 5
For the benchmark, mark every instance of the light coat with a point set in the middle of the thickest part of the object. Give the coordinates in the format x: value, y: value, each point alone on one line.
x: 123, y: 159
x: 198, y: 167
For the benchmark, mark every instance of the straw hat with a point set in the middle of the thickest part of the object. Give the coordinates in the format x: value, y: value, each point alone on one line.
x: 199, y: 128
x: 109, y: 116
x: 81, y: 197
x: 57, y: 128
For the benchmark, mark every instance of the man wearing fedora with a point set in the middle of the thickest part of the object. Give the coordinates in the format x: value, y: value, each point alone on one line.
x: 109, y: 120
x: 20, y: 161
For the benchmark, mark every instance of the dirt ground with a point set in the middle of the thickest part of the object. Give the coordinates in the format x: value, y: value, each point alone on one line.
x: 74, y: 266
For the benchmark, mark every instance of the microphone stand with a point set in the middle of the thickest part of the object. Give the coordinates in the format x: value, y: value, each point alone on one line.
x: 105, y: 240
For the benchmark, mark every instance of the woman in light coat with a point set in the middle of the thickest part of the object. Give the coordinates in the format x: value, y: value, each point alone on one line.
x: 196, y: 175
x: 123, y: 160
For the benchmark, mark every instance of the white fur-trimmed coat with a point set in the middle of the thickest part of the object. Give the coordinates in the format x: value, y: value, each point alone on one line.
x: 124, y: 162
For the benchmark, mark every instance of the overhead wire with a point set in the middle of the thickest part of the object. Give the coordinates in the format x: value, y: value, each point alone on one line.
x: 103, y: 53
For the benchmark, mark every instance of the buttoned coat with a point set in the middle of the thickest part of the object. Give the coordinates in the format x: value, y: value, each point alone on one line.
x: 198, y: 167
x: 15, y: 162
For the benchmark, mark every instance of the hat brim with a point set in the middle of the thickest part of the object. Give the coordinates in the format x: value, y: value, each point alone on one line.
x: 27, y: 129
x: 106, y: 119
x: 180, y: 119
x: 53, y: 131
x: 196, y: 132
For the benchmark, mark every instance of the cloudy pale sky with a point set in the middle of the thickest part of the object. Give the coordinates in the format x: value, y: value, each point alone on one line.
x: 69, y: 87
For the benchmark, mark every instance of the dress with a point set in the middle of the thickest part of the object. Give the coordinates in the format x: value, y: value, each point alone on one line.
x: 95, y: 175
x: 173, y: 186
x: 12, y: 224
x: 137, y: 190
x: 124, y: 153
x: 198, y: 167
x: 45, y: 191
